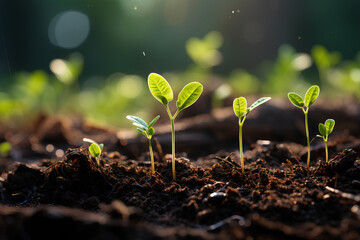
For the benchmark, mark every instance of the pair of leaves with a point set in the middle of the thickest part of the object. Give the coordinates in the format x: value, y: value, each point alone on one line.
x: 310, y: 97
x: 240, y: 105
x: 162, y: 91
x: 142, y: 126
x: 327, y: 128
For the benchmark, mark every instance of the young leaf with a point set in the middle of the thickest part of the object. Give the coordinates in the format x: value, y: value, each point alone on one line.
x: 296, y: 99
x: 154, y: 121
x: 189, y: 95
x: 142, y: 131
x: 329, y: 124
x: 259, y: 102
x: 240, y: 106
x: 311, y: 95
x: 160, y: 88
x: 95, y: 150
x: 139, y: 121
x: 139, y: 126
x: 151, y: 131
x: 101, y: 145
x: 322, y: 129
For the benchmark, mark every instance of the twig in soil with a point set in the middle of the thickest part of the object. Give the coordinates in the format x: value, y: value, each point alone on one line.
x: 158, y: 149
x: 350, y: 196
x: 234, y: 164
x: 235, y: 218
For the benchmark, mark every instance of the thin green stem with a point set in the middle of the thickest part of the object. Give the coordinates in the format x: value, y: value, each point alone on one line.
x: 172, y: 118
x: 308, y: 141
x: 151, y: 157
x: 326, y: 151
x: 173, y: 147
x: 241, y: 149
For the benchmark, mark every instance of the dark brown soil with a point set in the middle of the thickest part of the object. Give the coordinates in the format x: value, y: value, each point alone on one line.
x: 70, y: 197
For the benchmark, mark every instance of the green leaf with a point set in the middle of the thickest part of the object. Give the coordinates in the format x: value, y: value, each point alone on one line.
x: 142, y: 131
x: 311, y: 95
x: 296, y: 99
x: 240, y: 106
x: 322, y: 129
x: 154, y: 121
x: 259, y: 102
x: 95, y: 150
x: 139, y: 121
x: 329, y: 125
x: 189, y: 95
x: 160, y: 88
x: 140, y: 126
x: 151, y: 131
x: 101, y: 145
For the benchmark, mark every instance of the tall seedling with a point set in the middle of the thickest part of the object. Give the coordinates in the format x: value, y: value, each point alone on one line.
x: 241, y: 111
x: 310, y: 97
x: 162, y: 91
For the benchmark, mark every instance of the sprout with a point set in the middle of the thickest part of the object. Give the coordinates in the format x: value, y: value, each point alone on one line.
x: 162, y: 91
x: 95, y: 149
x: 241, y: 111
x: 310, y: 97
x: 325, y: 130
x: 148, y: 131
x: 5, y: 148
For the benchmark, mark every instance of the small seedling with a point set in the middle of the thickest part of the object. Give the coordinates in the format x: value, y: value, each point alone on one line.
x: 310, y: 97
x: 162, y: 91
x: 148, y: 131
x: 325, y: 130
x: 95, y: 149
x: 5, y: 148
x: 241, y: 111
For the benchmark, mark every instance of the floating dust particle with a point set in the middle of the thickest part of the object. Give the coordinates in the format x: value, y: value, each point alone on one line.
x: 299, y: 37
x: 232, y: 12
x: 144, y: 53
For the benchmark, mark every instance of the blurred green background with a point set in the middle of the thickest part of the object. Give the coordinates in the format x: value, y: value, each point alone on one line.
x: 92, y: 57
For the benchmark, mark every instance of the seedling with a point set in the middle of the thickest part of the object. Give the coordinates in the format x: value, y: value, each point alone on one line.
x: 241, y: 111
x: 310, y: 97
x: 162, y: 91
x: 148, y: 131
x: 325, y: 130
x: 95, y: 149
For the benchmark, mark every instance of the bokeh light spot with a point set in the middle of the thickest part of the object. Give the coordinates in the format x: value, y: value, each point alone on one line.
x: 69, y: 29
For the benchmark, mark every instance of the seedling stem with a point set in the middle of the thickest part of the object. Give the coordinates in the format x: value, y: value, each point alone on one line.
x: 172, y: 119
x: 307, y: 139
x: 241, y: 147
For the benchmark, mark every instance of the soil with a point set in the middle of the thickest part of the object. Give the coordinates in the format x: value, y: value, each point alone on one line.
x: 49, y: 193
